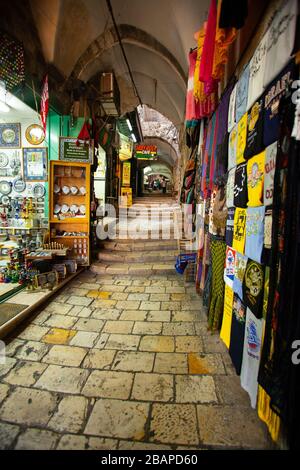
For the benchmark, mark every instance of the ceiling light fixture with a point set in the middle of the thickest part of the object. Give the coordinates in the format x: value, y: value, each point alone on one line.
x: 129, y: 125
x: 133, y: 137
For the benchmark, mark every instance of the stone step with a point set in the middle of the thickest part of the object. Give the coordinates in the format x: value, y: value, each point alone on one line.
x: 133, y: 268
x: 146, y: 245
x: 137, y: 257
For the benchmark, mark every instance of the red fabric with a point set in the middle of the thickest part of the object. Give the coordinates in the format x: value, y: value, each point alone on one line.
x: 84, y: 134
x: 45, y: 103
x: 207, y: 58
x: 192, y: 107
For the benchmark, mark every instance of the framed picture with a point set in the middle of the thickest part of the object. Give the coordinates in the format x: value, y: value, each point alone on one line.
x: 73, y: 150
x: 10, y: 135
x: 35, y: 164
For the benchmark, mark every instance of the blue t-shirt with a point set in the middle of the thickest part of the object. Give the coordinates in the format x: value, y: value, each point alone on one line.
x: 242, y: 94
x: 255, y: 221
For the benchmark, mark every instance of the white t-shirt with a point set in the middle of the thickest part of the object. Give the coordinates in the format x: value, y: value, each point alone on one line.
x: 257, y: 69
x: 281, y: 39
x: 231, y: 109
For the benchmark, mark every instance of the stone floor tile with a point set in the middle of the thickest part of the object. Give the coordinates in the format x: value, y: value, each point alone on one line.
x: 193, y: 305
x: 65, y: 355
x: 114, y: 288
x: 171, y: 306
x: 207, y: 364
x: 179, y: 297
x: 128, y: 304
x: 118, y: 419
x: 106, y: 314
x: 147, y: 328
x: 41, y: 317
x: 104, y: 304
x: 8, y: 433
x: 32, y: 351
x: 159, y: 297
x: 228, y: 426
x: 156, y: 290
x: 89, y: 324
x: 201, y: 328
x: 194, y: 389
x: 160, y: 281
x: 135, y: 289
x: 33, y: 333
x: 123, y: 282
x: 134, y: 315
x: 100, y: 344
x: 37, y: 439
x: 94, y: 294
x: 171, y: 363
x: 99, y: 359
x: 172, y: 423
x: 153, y: 387
x: 12, y: 347
x: 90, y: 286
x: 108, y: 384
x: 186, y: 344
x: 98, y: 443
x: 140, y: 297
x: 4, y: 389
x: 81, y: 312
x: 131, y: 445
x: 63, y: 379
x: 213, y: 344
x: 70, y: 415
x: 141, y: 282
x: 133, y: 361
x: 77, y: 300
x: 123, y: 342
x: 230, y: 391
x: 25, y: 373
x: 157, y: 344
x: 150, y: 306
x: 72, y: 442
x: 178, y: 328
x: 122, y: 327
x: 175, y: 290
x: 58, y: 308
x: 34, y: 406
x: 84, y: 339
x: 185, y: 316
x: 9, y: 364
x: 159, y: 315
x: 119, y: 296
x: 60, y: 321
x: 59, y: 336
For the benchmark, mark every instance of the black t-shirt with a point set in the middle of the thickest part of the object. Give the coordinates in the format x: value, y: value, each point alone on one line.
x: 253, y: 287
x: 229, y: 226
x: 255, y: 129
x: 237, y: 333
x: 240, y: 186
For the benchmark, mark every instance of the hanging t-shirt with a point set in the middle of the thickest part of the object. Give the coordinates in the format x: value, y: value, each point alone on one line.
x: 268, y: 235
x: 239, y: 230
x: 255, y: 127
x: 281, y: 39
x: 230, y: 188
x: 241, y: 139
x: 270, y: 164
x: 257, y: 69
x: 227, y: 315
x: 242, y: 94
x: 231, y: 109
x: 255, y: 233
x: 229, y: 226
x: 237, y: 333
x: 240, y: 186
x: 272, y: 96
x: 251, y: 355
x: 232, y: 148
x: 255, y: 179
x: 253, y: 287
x: 229, y: 269
x: 240, y: 269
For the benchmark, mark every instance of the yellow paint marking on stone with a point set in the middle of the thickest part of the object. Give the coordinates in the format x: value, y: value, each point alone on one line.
x: 59, y: 336
x: 93, y: 293
x: 104, y: 295
x: 196, y: 364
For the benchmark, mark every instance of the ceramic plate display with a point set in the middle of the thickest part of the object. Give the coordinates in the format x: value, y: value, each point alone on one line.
x: 82, y: 190
x: 19, y: 185
x: 39, y: 190
x: 56, y: 189
x: 5, y: 187
x: 3, y: 160
x: 74, y: 208
x: 65, y: 190
x: 65, y: 209
x: 74, y: 190
x: 82, y: 209
x: 10, y: 135
x: 5, y: 200
x: 35, y: 134
x: 57, y: 209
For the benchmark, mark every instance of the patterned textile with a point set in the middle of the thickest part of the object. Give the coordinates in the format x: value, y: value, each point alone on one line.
x: 218, y: 250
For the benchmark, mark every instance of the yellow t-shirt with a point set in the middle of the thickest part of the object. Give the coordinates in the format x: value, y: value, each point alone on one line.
x: 255, y: 179
x: 241, y: 138
x: 239, y: 230
x: 227, y: 316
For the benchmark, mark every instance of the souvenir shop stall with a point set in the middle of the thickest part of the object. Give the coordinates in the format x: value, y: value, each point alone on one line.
x: 245, y: 172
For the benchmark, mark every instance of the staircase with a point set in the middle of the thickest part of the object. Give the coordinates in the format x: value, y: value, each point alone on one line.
x: 139, y: 253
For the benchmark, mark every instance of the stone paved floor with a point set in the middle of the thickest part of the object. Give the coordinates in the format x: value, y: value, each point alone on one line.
x: 123, y: 363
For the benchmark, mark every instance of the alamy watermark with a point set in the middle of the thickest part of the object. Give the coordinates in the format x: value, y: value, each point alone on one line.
x: 296, y: 354
x: 2, y: 352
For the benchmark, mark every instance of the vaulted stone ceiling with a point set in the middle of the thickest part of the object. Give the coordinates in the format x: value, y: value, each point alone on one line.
x: 78, y: 37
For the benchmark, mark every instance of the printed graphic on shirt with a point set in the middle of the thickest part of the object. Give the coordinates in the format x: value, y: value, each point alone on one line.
x: 240, y: 269
x: 229, y: 266
x: 241, y: 138
x: 232, y: 148
x: 230, y: 188
x: 231, y: 109
x: 239, y: 309
x: 270, y: 165
x: 268, y: 229
x: 257, y: 68
x: 254, y: 130
x: 229, y: 226
x: 239, y: 231
x: 253, y: 287
x: 255, y: 232
x: 255, y: 179
x: 240, y: 186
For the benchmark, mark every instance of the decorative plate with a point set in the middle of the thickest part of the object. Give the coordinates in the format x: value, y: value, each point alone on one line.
x: 10, y: 135
x: 82, y: 209
x: 57, y: 209
x: 35, y: 134
x: 39, y: 190
x: 5, y: 200
x: 5, y: 187
x: 3, y: 160
x: 65, y: 209
x: 19, y: 185
x: 74, y: 208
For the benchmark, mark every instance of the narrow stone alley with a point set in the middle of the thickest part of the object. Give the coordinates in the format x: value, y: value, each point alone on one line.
x: 124, y: 361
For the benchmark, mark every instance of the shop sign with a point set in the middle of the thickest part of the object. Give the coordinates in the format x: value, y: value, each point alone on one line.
x: 126, y: 197
x: 126, y: 148
x: 146, y: 152
x: 73, y: 150
x: 126, y: 174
